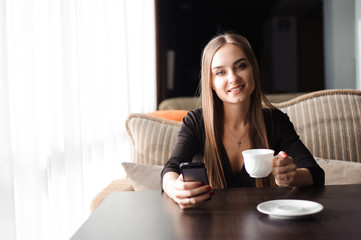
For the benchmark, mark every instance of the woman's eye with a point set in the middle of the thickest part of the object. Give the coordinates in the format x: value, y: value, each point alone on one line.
x: 241, y: 66
x: 219, y: 73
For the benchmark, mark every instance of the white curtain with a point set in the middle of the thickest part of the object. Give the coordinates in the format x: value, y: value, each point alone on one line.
x: 71, y: 71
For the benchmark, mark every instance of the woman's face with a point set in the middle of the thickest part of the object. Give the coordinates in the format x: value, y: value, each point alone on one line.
x: 232, y: 74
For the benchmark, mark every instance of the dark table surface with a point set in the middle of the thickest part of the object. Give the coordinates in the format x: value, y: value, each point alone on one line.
x: 231, y: 214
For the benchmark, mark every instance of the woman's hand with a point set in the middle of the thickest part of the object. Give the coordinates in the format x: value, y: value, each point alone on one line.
x: 284, y: 169
x: 186, y: 194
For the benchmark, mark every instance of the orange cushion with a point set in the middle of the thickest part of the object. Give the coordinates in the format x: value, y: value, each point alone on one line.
x: 175, y: 115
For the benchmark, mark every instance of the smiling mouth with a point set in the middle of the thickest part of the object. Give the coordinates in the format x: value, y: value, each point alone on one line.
x: 236, y: 89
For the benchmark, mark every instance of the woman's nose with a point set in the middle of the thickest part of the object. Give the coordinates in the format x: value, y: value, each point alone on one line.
x: 232, y: 77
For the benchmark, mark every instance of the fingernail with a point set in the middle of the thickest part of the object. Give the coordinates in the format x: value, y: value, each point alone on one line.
x: 283, y: 154
x: 209, y: 187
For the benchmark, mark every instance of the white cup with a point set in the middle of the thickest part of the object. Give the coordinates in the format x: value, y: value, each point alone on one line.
x: 258, y: 162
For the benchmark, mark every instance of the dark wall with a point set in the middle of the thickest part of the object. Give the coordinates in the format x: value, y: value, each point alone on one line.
x: 185, y: 26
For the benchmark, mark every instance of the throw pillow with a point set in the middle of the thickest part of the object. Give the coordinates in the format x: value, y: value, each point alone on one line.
x: 153, y: 138
x: 174, y: 115
x: 340, y: 172
x: 143, y: 176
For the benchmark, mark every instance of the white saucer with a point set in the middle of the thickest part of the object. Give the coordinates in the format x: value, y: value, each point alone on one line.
x: 289, y: 208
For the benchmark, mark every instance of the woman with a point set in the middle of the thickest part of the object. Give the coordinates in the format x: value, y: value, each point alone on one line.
x: 233, y: 119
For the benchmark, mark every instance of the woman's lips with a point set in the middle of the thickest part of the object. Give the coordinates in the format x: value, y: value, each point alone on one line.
x: 236, y: 89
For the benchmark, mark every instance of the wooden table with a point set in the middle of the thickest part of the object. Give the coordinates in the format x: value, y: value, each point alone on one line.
x: 231, y: 214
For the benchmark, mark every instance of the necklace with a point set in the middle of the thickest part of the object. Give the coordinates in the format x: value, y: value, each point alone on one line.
x: 239, y: 143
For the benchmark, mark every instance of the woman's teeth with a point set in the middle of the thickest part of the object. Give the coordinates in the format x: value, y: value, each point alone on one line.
x: 236, y: 89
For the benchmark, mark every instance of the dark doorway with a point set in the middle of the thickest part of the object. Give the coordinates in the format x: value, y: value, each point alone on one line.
x: 286, y: 36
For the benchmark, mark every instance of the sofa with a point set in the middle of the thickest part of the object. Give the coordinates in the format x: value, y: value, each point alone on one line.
x: 327, y: 121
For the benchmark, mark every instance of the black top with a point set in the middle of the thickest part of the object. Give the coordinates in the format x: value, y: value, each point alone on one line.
x: 281, y: 136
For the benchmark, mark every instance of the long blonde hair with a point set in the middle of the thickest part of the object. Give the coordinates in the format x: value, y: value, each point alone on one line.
x: 213, y: 110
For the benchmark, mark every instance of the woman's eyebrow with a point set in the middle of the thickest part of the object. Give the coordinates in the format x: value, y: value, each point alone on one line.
x: 239, y: 60
x: 235, y: 62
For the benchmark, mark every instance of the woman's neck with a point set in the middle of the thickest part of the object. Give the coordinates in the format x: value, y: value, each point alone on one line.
x: 236, y: 116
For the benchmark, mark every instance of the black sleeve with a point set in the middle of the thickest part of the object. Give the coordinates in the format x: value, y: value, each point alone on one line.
x: 189, y: 144
x: 283, y: 137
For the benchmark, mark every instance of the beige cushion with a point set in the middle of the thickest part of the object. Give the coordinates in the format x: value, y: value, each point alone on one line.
x: 190, y: 103
x: 328, y: 123
x: 181, y: 103
x: 340, y: 172
x: 153, y: 138
x: 143, y: 176
x: 283, y: 97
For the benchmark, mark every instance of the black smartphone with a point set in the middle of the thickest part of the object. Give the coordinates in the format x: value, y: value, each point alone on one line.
x: 194, y: 172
